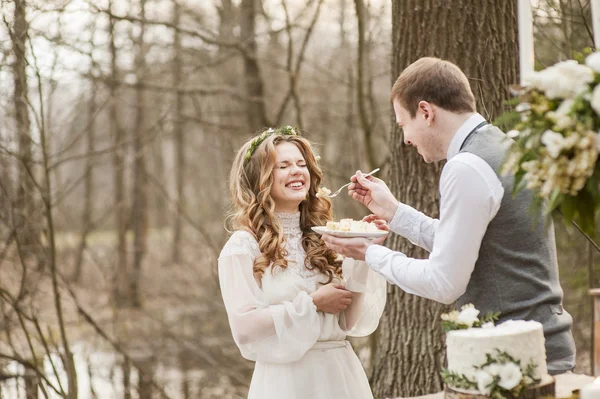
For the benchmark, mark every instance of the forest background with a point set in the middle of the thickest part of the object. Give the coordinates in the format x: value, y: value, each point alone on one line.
x: 119, y: 120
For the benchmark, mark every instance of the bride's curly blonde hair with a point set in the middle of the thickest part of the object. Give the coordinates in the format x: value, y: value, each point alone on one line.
x: 253, y: 208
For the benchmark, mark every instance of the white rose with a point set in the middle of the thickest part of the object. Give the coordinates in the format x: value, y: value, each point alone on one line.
x: 510, y: 376
x: 493, y: 369
x: 561, y: 118
x: 513, y: 134
x: 554, y: 142
x: 593, y: 61
x: 595, y: 100
x: 483, y: 380
x: 566, y: 79
x: 468, y: 316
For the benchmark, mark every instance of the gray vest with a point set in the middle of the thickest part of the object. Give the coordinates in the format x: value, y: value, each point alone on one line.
x: 516, y: 272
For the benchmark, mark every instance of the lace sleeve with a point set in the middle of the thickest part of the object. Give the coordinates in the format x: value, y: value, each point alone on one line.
x: 277, y: 333
x: 369, y: 289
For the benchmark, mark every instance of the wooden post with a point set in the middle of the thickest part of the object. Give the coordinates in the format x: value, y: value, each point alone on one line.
x: 526, y: 55
x: 595, y: 293
x: 596, y: 21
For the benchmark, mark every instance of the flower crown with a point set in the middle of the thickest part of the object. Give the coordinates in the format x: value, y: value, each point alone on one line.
x: 284, y: 131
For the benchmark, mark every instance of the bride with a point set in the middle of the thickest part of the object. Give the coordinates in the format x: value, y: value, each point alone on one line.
x: 290, y: 300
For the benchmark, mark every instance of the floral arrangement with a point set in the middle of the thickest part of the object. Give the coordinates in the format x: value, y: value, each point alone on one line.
x: 284, y: 131
x: 555, y: 126
x: 500, y: 377
x: 468, y: 317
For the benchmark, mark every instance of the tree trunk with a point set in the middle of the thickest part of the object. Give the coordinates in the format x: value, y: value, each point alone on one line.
x: 179, y: 139
x: 31, y: 384
x: 126, y: 368
x: 145, y: 378
x: 86, y: 222
x: 139, y: 213
x: 120, y: 271
x: 25, y: 227
x: 480, y: 37
x: 255, y: 110
x: 160, y: 203
x: 362, y: 19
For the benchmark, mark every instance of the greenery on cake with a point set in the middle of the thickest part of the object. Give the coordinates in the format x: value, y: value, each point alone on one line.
x: 500, y: 377
x: 467, y: 317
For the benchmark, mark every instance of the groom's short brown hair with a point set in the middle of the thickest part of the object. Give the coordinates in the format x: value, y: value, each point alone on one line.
x: 436, y: 81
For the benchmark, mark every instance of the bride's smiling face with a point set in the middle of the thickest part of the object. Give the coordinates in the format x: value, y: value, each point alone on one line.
x: 291, y: 178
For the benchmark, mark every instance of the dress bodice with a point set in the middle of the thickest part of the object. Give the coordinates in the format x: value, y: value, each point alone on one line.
x: 281, y: 284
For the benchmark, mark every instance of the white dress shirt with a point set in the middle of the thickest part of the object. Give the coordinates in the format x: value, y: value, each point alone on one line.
x: 470, y: 196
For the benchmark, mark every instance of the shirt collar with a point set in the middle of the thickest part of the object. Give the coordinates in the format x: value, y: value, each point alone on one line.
x: 462, y: 133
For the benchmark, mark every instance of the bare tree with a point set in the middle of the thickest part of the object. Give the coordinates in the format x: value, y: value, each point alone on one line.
x: 256, y: 112
x: 178, y: 125
x: 25, y: 213
x: 87, y: 212
x: 139, y: 207
x: 118, y: 140
x: 367, y: 121
x: 410, y: 339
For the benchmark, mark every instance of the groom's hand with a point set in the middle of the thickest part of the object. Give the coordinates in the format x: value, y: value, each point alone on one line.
x: 331, y: 298
x: 374, y: 194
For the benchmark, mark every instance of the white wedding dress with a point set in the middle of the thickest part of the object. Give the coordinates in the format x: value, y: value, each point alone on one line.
x: 300, y: 353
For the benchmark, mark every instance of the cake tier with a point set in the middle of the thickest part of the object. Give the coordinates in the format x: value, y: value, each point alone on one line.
x: 522, y: 340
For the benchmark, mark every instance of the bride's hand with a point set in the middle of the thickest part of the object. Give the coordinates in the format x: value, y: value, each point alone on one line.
x: 331, y: 298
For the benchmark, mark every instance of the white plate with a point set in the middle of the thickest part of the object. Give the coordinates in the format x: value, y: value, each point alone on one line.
x: 348, y: 234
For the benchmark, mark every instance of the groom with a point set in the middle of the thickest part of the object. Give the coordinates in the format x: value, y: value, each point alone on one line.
x: 486, y: 248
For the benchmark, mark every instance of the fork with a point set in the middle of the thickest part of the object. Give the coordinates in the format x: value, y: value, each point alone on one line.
x: 339, y: 190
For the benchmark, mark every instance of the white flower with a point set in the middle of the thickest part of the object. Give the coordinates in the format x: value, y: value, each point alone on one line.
x: 513, y: 134
x: 493, y: 369
x: 566, y: 79
x: 554, y: 142
x: 452, y: 316
x: 317, y: 157
x: 561, y: 118
x: 510, y: 376
x: 593, y: 61
x: 483, y: 380
x: 523, y: 107
x: 489, y: 324
x: 595, y: 100
x: 468, y: 316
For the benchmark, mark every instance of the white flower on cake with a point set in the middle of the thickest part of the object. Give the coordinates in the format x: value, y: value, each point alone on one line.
x: 468, y: 315
x: 510, y: 375
x: 452, y: 316
x: 484, y: 382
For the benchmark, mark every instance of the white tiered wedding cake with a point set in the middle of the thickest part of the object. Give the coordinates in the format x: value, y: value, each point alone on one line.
x: 522, y: 340
x: 507, y: 359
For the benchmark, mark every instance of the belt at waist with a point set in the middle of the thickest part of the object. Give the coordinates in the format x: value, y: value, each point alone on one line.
x: 325, y: 345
